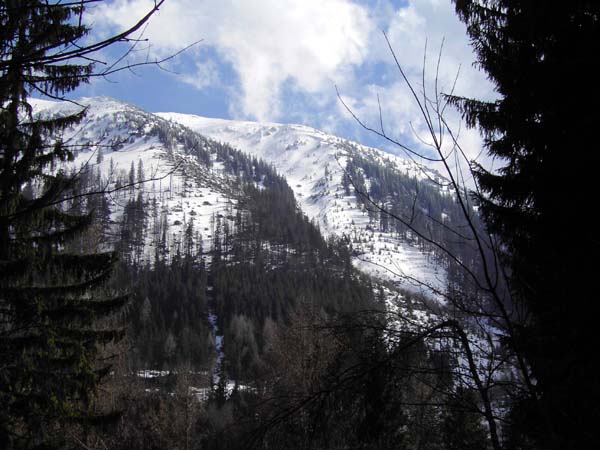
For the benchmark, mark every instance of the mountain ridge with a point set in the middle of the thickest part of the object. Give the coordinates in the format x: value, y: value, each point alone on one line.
x: 315, y: 164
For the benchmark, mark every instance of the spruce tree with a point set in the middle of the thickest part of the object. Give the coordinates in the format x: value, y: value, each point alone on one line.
x: 541, y: 57
x: 51, y: 302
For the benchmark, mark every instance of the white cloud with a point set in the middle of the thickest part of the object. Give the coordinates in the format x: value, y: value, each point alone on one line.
x: 308, y: 44
x: 435, y: 22
x: 410, y: 29
x: 205, y: 74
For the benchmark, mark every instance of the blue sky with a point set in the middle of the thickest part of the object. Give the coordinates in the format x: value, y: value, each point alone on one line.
x: 280, y: 61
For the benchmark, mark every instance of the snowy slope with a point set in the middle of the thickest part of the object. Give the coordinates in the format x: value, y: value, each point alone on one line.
x: 180, y: 188
x: 312, y: 162
x: 185, y: 190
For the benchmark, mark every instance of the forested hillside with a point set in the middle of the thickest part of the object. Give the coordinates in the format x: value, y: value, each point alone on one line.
x: 247, y: 250
x: 237, y: 298
x: 368, y: 197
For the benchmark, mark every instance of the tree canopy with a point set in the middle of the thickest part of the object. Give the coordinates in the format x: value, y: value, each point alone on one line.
x: 53, y: 310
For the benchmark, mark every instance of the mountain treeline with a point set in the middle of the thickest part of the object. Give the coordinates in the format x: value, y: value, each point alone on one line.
x: 306, y: 356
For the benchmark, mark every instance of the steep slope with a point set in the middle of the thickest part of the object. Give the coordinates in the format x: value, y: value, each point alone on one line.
x: 210, y: 237
x: 314, y: 164
x: 122, y: 144
x: 197, y: 178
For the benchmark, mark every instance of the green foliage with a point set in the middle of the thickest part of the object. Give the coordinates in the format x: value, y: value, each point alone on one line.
x: 270, y: 263
x: 167, y: 323
x: 52, y: 307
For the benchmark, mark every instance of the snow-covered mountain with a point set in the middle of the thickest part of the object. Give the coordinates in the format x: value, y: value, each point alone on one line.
x: 314, y: 162
x: 185, y: 158
x: 116, y: 139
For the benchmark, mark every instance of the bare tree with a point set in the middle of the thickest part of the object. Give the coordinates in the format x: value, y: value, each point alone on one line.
x: 483, y: 320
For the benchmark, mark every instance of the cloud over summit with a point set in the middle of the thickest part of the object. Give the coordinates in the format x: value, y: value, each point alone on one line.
x: 278, y: 60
